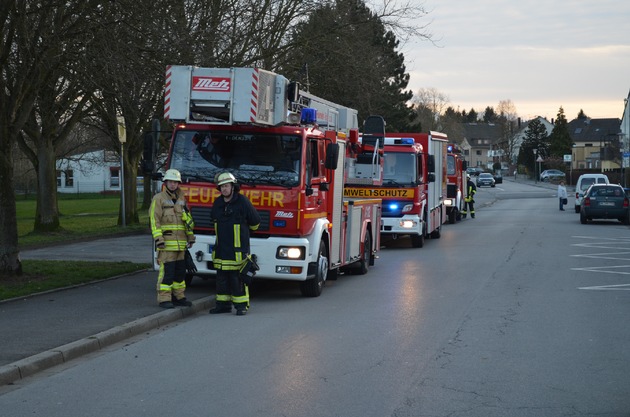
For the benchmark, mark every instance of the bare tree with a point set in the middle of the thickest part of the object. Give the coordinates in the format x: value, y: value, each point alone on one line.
x: 36, y: 36
x: 430, y: 104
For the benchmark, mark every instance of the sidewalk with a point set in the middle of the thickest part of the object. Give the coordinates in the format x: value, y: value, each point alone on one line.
x: 51, y: 328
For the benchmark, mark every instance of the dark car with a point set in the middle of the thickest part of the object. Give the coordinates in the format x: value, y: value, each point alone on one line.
x: 485, y: 179
x: 474, y: 171
x: 605, y: 201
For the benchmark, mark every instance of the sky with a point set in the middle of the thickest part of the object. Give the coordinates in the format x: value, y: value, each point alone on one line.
x: 539, y: 54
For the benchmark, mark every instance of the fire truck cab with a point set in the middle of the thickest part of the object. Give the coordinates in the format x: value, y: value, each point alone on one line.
x: 287, y: 149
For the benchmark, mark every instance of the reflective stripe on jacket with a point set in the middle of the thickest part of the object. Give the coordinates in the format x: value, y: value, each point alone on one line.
x: 167, y: 221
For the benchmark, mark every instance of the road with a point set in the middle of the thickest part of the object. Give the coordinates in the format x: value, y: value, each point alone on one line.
x: 521, y: 311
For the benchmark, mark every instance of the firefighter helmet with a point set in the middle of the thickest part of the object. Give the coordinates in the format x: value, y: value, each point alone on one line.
x: 225, y: 178
x: 173, y: 175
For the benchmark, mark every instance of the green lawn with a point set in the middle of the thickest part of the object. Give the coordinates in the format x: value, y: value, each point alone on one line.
x: 82, y: 216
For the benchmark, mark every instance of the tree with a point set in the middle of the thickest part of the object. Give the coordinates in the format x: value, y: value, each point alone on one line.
x: 507, y: 118
x: 429, y: 104
x: 581, y: 115
x: 360, y: 68
x: 489, y: 115
x: 471, y: 116
x: 35, y: 38
x: 560, y: 139
x: 534, y: 145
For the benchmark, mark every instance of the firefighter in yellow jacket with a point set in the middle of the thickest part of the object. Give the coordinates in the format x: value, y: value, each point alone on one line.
x: 172, y: 230
x: 469, y: 201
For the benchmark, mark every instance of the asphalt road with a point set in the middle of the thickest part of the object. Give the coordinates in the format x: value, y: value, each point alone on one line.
x: 519, y: 312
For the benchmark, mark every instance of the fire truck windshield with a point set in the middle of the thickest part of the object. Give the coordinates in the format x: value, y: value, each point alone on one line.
x: 253, y: 158
x: 399, y: 168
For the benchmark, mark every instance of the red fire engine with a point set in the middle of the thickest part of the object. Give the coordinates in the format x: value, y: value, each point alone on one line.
x: 287, y: 149
x: 456, y: 183
x: 413, y: 188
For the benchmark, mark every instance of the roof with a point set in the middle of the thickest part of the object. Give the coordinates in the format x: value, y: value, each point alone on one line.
x: 593, y: 130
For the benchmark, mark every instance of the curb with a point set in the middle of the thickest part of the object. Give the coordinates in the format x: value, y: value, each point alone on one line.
x: 33, y: 364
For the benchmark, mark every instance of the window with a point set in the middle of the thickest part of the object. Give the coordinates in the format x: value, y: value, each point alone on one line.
x: 69, y: 182
x: 114, y: 177
x: 58, y: 178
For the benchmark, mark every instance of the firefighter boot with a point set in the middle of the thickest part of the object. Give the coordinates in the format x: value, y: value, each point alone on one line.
x: 166, y: 304
x: 182, y: 302
x: 221, y: 308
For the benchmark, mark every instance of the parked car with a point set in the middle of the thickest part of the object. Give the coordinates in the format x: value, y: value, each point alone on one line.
x: 485, y: 178
x: 474, y: 171
x: 585, y: 181
x: 605, y: 201
x: 552, y: 174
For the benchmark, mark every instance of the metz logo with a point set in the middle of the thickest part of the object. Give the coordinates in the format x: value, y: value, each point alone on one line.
x: 284, y: 214
x: 220, y: 84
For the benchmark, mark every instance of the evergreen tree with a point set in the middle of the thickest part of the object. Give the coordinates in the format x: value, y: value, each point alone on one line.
x: 560, y: 139
x: 535, y: 143
x: 489, y: 115
x: 581, y: 115
x: 471, y: 117
x: 352, y: 60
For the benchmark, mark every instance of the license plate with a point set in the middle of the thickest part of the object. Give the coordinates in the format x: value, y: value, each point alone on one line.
x: 607, y: 203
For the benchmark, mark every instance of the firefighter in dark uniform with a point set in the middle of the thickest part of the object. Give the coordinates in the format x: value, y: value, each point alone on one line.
x: 469, y: 200
x: 172, y: 230
x: 233, y: 216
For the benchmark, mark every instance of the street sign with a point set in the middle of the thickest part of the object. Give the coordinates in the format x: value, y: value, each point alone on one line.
x: 540, y: 159
x: 567, y: 158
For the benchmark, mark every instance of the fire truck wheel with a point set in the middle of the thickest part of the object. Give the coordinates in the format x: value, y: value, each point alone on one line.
x: 313, y: 287
x: 364, y: 263
x: 452, y: 216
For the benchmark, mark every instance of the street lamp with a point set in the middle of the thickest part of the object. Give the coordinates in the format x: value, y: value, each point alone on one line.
x: 122, y: 137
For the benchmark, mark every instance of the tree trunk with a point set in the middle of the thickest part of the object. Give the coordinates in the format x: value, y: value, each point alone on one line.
x: 131, y: 194
x: 47, y: 211
x: 9, y: 254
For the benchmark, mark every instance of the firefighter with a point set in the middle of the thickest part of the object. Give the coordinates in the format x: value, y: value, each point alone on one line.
x: 233, y: 216
x: 172, y: 230
x: 469, y: 200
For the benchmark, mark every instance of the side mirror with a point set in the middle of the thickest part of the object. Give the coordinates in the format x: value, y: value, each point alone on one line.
x: 332, y: 156
x: 431, y: 177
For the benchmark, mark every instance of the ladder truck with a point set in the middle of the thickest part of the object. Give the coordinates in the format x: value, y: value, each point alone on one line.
x: 287, y: 149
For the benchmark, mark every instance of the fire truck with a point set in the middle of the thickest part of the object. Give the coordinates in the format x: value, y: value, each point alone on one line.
x: 456, y: 183
x: 413, y: 188
x: 287, y: 149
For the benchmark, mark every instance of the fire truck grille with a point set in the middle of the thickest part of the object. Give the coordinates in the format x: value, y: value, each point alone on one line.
x: 451, y: 190
x: 201, y: 216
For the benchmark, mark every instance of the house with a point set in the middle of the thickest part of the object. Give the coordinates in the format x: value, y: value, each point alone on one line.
x: 482, y: 139
x: 92, y: 172
x: 596, y: 143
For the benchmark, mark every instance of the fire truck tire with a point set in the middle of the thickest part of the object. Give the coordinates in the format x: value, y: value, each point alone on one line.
x: 417, y: 241
x: 364, y: 263
x: 313, y: 287
x: 452, y: 215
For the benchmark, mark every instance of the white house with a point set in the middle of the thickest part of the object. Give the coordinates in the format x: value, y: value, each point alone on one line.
x: 92, y: 172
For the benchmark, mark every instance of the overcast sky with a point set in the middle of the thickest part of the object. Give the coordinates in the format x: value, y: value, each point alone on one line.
x: 539, y: 54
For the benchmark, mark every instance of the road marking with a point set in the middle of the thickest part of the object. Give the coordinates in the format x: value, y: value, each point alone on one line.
x: 608, y: 287
x: 621, y: 247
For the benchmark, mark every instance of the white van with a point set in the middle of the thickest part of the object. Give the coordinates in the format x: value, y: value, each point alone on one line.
x: 585, y: 181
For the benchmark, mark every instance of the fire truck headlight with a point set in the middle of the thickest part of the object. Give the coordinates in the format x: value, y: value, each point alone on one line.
x: 408, y: 224
x: 407, y: 208
x: 449, y: 202
x: 286, y: 252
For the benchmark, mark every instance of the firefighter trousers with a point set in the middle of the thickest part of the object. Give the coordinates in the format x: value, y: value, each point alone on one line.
x: 171, y: 277
x: 469, y: 206
x: 231, y: 290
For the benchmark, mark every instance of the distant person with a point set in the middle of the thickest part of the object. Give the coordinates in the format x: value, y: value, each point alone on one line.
x: 469, y: 200
x: 233, y: 216
x: 172, y: 230
x: 563, y: 197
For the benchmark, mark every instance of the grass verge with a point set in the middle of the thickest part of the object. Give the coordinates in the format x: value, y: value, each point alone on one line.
x: 39, y: 276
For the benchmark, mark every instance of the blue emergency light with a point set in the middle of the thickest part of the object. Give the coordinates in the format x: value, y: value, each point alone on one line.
x: 393, y: 206
x: 309, y: 116
x: 407, y: 141
x: 450, y: 148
